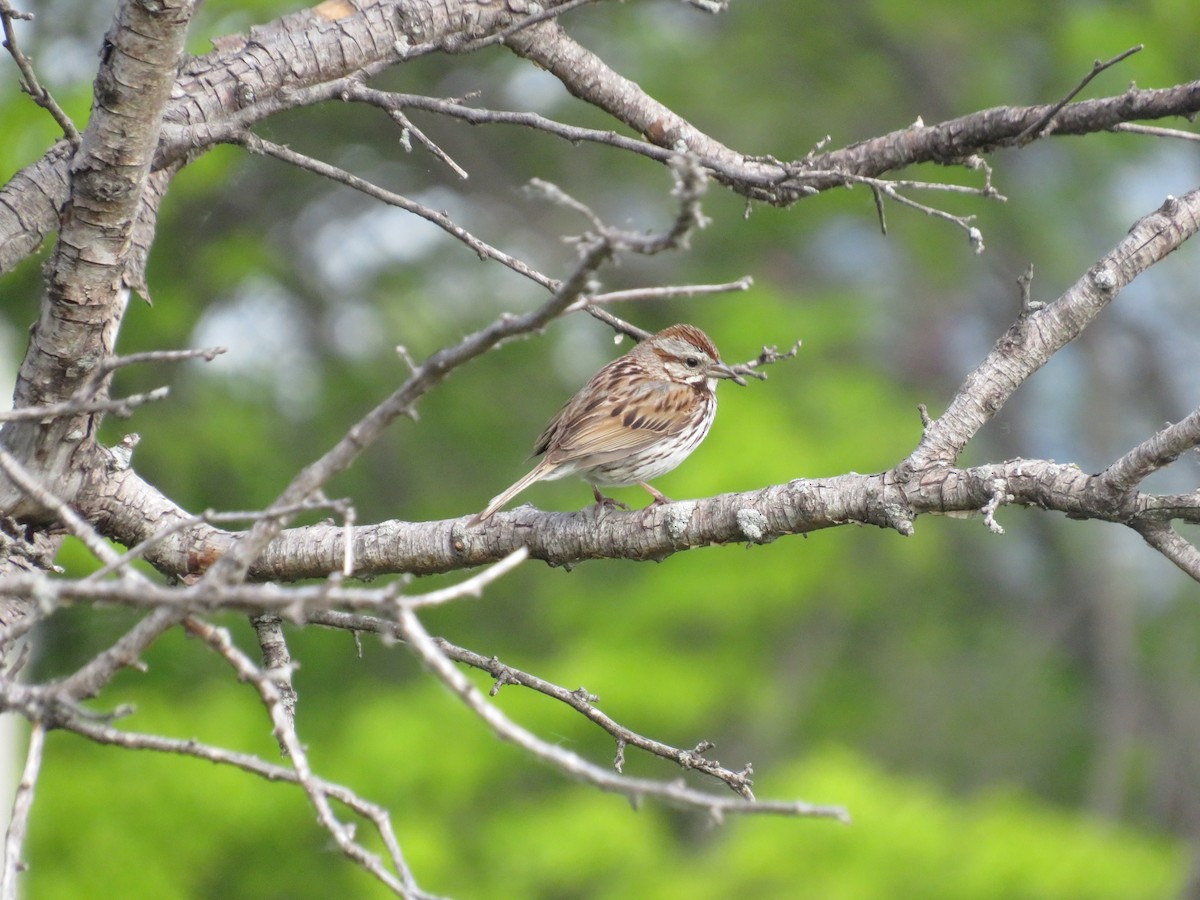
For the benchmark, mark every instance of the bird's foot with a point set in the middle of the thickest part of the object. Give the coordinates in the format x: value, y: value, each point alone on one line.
x: 659, y: 496
x: 606, y: 502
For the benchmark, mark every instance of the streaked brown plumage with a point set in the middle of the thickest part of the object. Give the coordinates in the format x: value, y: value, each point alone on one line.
x: 637, y: 418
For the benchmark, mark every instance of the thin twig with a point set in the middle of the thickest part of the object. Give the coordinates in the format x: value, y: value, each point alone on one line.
x: 484, y: 250
x: 617, y: 324
x: 112, y: 363
x: 585, y: 703
x: 122, y: 407
x: 580, y: 700
x: 1156, y: 131
x: 30, y: 83
x: 1171, y: 544
x: 768, y: 356
x: 880, y: 187
x: 1037, y: 128
x: 75, y: 523
x: 277, y: 665
x: 423, y: 645
x: 408, y: 131
x: 1154, y: 453
x: 358, y: 92
x: 35, y: 703
x: 18, y: 823
x: 472, y: 587
x: 401, y: 881
x: 88, y: 680
x: 555, y: 194
x: 664, y: 292
x: 541, y: 15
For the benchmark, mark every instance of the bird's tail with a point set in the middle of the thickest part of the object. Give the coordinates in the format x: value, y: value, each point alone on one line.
x: 536, y: 474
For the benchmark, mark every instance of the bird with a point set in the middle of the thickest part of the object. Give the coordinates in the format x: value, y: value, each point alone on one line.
x: 639, y: 417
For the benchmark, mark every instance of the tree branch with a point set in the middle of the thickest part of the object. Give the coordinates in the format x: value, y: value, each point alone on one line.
x: 427, y: 650
x: 401, y: 881
x: 18, y: 823
x: 38, y: 703
x: 1040, y: 332
x: 86, y: 285
x: 30, y: 83
x: 1154, y: 453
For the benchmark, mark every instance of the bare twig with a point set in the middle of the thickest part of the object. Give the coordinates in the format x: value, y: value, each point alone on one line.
x: 1154, y: 453
x: 665, y: 292
x: 585, y: 703
x: 112, y: 363
x: 555, y: 194
x: 484, y: 250
x: 90, y: 679
x: 768, y: 356
x: 579, y: 699
x: 1038, y: 334
x: 356, y: 91
x: 408, y: 131
x: 401, y: 881
x: 1038, y: 128
x: 29, y: 82
x: 122, y: 407
x: 575, y: 766
x: 35, y: 703
x: 1156, y: 131
x: 1171, y: 544
x: 617, y: 324
x: 538, y: 16
x: 690, y: 186
x: 277, y: 665
x: 75, y: 523
x: 472, y: 587
x: 18, y: 823
x: 883, y: 188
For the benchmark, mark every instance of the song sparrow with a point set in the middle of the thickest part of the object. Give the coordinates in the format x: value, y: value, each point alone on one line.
x: 637, y: 418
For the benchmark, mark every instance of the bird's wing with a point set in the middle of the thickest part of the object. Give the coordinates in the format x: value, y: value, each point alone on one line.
x: 605, y: 426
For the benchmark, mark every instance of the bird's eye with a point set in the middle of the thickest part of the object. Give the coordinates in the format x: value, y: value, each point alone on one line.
x: 692, y: 362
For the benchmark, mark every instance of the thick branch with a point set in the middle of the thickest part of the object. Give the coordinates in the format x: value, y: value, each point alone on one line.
x: 653, y: 533
x: 1041, y: 331
x: 86, y: 285
x: 311, y: 56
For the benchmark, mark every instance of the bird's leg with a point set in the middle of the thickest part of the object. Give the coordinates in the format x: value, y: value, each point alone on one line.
x: 659, y: 496
x: 607, y: 502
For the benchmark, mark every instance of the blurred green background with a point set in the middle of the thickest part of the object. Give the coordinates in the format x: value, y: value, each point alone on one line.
x: 1004, y: 716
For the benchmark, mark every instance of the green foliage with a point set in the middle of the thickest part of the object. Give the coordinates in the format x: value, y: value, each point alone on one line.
x: 541, y: 838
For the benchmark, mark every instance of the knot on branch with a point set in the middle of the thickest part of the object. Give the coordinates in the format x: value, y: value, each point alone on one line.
x: 754, y: 526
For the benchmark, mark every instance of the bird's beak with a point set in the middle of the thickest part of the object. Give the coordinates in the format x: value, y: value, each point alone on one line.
x: 720, y: 370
